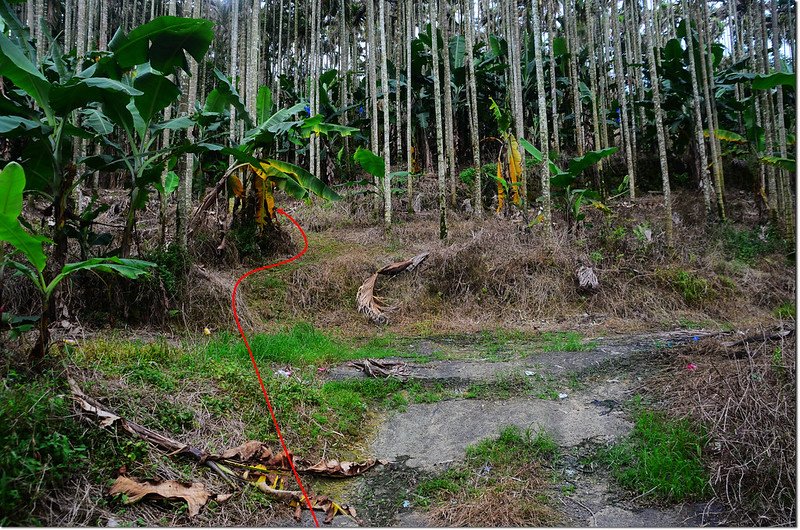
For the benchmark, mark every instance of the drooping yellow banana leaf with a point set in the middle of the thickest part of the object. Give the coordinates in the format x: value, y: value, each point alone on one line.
x: 265, y: 202
x: 501, y: 191
x: 514, y: 168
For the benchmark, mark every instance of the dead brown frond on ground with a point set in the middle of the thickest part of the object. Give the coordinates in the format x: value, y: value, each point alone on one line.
x: 515, y: 498
x: 744, y: 394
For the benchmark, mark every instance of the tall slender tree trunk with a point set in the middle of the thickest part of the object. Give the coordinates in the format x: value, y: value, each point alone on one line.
x: 409, y: 125
x: 448, y: 101
x: 543, y: 135
x: 519, y: 113
x: 622, y: 95
x: 387, y: 184
x: 659, y: 118
x: 783, y: 177
x: 551, y: 31
x: 185, y: 188
x: 472, y: 93
x: 437, y: 103
x: 706, y: 74
x: 705, y: 178
x: 373, y: 92
x: 165, y: 141
x: 573, y: 46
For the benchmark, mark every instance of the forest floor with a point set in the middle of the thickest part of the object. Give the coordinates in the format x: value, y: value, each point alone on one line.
x: 523, y: 401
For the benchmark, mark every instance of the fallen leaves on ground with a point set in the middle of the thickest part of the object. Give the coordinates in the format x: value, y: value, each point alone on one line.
x: 254, y: 461
x: 257, y: 455
x: 195, y: 494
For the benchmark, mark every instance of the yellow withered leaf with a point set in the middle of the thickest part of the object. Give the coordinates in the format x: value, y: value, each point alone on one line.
x: 514, y: 168
x: 501, y: 192
x: 236, y: 186
x: 265, y: 202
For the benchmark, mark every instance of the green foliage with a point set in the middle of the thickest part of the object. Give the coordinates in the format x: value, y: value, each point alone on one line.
x: 565, y: 341
x: 467, y: 176
x: 172, y: 268
x: 12, y: 184
x: 41, y: 445
x: 786, y: 310
x: 693, y: 288
x: 370, y: 162
x: 749, y: 245
x: 496, y: 458
x: 662, y: 457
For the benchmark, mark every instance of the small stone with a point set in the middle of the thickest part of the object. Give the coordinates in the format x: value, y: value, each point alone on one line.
x: 563, y: 395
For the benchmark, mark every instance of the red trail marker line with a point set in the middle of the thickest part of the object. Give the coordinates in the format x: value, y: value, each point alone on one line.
x: 253, y: 359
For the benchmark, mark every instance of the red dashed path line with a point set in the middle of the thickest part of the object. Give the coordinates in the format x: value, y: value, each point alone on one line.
x: 253, y: 359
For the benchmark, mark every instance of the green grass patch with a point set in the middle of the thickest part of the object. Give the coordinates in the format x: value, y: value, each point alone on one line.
x: 693, y: 288
x: 514, y: 384
x: 563, y: 341
x: 301, y: 344
x: 748, y: 246
x: 495, y: 471
x: 662, y: 458
x: 786, y: 310
x: 513, y: 446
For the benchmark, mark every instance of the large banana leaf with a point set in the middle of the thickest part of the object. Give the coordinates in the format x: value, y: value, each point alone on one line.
x: 263, y: 104
x: 770, y: 81
x: 12, y: 184
x: 164, y: 42
x: 13, y: 125
x: 157, y: 91
x: 305, y: 179
x: 538, y: 157
x: 370, y: 162
x: 784, y: 163
x: 577, y: 165
x: 129, y: 268
x: 17, y: 68
x: 227, y: 90
x: 78, y: 93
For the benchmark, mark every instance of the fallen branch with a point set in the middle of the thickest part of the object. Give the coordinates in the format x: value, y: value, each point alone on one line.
x: 260, y: 466
x: 377, y: 368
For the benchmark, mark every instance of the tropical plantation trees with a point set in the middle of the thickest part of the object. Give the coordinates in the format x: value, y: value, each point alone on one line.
x: 538, y: 110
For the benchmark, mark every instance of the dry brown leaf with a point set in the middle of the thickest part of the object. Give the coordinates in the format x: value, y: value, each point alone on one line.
x: 195, y: 494
x: 366, y: 300
x: 335, y: 468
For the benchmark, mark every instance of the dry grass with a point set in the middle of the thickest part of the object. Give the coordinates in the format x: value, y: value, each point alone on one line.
x: 745, y: 397
x: 509, y: 502
x: 496, y: 271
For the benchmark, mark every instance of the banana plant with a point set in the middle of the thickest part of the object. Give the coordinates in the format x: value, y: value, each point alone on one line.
x: 510, y: 145
x: 255, y: 175
x: 124, y: 89
x: 573, y: 198
x: 13, y: 233
x: 376, y: 166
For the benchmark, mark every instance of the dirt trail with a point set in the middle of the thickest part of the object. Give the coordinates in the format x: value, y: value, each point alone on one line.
x: 429, y: 437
